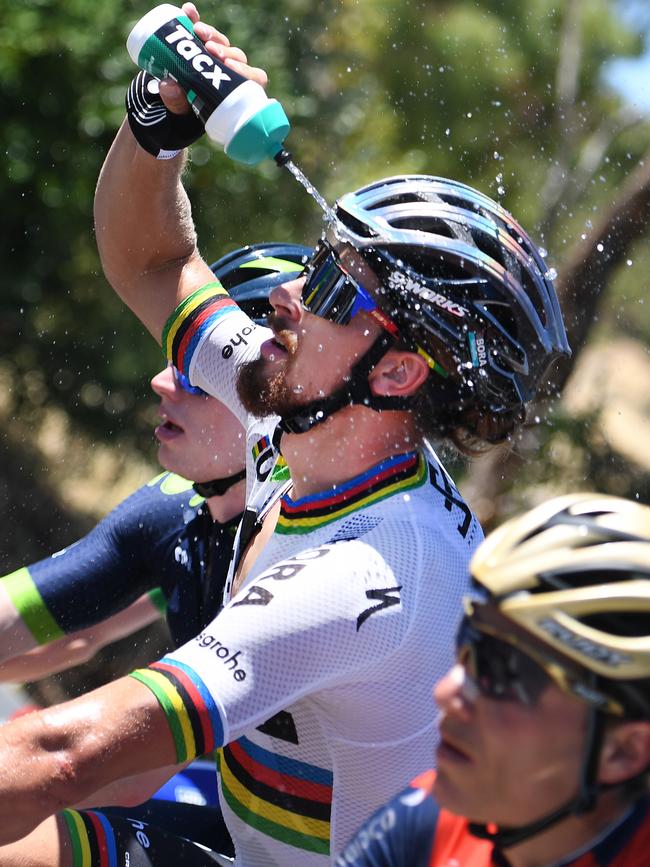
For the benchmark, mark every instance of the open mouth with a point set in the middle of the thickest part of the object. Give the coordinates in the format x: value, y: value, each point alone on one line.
x: 167, y: 430
x: 450, y: 751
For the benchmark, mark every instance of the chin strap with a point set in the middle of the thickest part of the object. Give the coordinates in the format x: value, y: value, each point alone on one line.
x: 355, y: 391
x: 218, y: 487
x: 583, y: 802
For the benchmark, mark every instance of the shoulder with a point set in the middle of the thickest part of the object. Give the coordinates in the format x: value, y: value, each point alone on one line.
x: 166, y: 492
x: 400, y: 834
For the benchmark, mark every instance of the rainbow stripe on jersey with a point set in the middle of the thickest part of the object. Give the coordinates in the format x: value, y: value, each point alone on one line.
x: 395, y: 475
x: 92, y: 839
x: 287, y: 799
x: 193, y: 318
x: 193, y: 717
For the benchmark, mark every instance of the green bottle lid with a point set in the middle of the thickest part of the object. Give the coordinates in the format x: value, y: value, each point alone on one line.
x: 261, y: 137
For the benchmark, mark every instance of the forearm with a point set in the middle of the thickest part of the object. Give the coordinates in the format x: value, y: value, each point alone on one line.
x: 130, y: 791
x: 63, y: 755
x: 145, y: 233
x: 15, y: 637
x: 78, y: 647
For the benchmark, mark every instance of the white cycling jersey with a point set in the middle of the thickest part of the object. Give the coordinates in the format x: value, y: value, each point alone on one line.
x: 315, y: 679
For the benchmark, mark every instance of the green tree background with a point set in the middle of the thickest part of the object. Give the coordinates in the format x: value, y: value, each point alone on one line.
x: 509, y: 97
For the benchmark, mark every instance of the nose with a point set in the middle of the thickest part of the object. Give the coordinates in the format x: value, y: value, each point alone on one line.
x: 164, y: 383
x: 455, y: 693
x: 286, y: 299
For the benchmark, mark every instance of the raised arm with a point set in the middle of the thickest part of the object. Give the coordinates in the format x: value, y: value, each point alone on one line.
x: 143, y: 220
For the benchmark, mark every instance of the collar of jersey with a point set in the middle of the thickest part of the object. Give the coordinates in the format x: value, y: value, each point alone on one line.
x: 397, y: 474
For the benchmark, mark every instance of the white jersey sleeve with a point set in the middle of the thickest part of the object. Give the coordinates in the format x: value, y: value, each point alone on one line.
x: 308, y: 623
x: 207, y: 338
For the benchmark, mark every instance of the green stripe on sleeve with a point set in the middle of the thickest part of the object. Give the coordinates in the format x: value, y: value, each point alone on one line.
x: 75, y: 840
x: 157, y: 599
x: 29, y: 603
x: 169, y: 710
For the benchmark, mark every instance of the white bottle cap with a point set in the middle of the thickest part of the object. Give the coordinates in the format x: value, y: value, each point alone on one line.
x: 147, y: 25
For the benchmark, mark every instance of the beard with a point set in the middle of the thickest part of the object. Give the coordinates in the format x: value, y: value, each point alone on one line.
x: 263, y: 394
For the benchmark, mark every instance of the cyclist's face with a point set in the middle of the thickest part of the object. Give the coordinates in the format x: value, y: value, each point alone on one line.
x: 199, y: 438
x: 503, y: 761
x: 308, y: 357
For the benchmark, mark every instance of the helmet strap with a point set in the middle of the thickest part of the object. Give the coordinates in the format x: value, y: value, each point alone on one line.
x: 583, y: 802
x: 356, y: 391
x: 218, y: 487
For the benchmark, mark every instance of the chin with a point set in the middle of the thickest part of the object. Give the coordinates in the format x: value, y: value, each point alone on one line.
x: 453, y: 798
x: 265, y: 393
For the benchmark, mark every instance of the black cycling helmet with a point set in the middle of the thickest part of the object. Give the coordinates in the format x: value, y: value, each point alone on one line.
x: 568, y: 586
x: 249, y: 273
x: 460, y: 279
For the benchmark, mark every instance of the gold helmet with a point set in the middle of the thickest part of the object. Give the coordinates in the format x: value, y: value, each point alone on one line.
x: 569, y: 585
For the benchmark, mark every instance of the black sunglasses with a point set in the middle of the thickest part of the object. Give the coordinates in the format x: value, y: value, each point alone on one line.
x: 499, y: 669
x: 329, y: 292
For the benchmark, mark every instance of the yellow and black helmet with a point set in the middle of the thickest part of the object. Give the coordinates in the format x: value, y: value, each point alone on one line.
x: 569, y: 584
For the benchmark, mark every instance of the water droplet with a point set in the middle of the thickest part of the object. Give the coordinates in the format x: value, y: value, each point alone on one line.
x: 543, y: 253
x: 551, y: 274
x: 447, y: 131
x: 600, y: 247
x: 628, y: 262
x: 298, y: 389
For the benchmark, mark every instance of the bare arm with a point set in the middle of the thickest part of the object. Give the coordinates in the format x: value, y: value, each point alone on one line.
x: 143, y: 220
x: 78, y: 647
x: 62, y: 755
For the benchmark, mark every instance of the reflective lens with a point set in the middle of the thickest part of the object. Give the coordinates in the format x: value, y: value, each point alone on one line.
x: 500, y: 670
x: 181, y: 380
x: 331, y: 293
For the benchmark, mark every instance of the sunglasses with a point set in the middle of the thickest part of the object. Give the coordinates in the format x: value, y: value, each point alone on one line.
x: 183, y: 382
x: 331, y: 293
x: 503, y: 672
x: 499, y: 669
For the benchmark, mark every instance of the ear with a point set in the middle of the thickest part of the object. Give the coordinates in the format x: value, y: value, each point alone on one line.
x: 625, y: 752
x: 398, y: 374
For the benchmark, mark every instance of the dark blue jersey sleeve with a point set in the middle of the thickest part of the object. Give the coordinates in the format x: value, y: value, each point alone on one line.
x: 138, y: 546
x: 400, y: 834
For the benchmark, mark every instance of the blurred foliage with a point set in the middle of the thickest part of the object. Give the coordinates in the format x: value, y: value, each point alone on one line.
x: 373, y: 87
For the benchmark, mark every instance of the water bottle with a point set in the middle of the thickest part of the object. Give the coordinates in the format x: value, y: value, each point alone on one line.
x: 235, y: 111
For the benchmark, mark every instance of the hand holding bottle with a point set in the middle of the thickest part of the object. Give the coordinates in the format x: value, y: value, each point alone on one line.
x: 197, y: 67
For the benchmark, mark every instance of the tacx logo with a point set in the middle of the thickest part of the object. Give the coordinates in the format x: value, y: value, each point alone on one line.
x: 238, y: 340
x: 583, y: 645
x: 404, y: 283
x: 188, y: 49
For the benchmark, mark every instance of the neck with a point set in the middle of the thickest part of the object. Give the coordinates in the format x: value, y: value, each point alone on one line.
x: 350, y: 442
x: 228, y: 505
x: 569, y: 836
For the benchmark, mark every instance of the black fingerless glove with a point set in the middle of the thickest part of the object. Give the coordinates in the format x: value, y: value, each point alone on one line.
x: 160, y: 132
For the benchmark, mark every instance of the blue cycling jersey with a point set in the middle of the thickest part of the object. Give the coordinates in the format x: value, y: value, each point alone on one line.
x: 162, y: 536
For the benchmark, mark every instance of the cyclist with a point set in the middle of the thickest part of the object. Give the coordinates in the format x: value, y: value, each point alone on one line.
x: 428, y: 311
x: 171, y: 534
x: 545, y: 721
